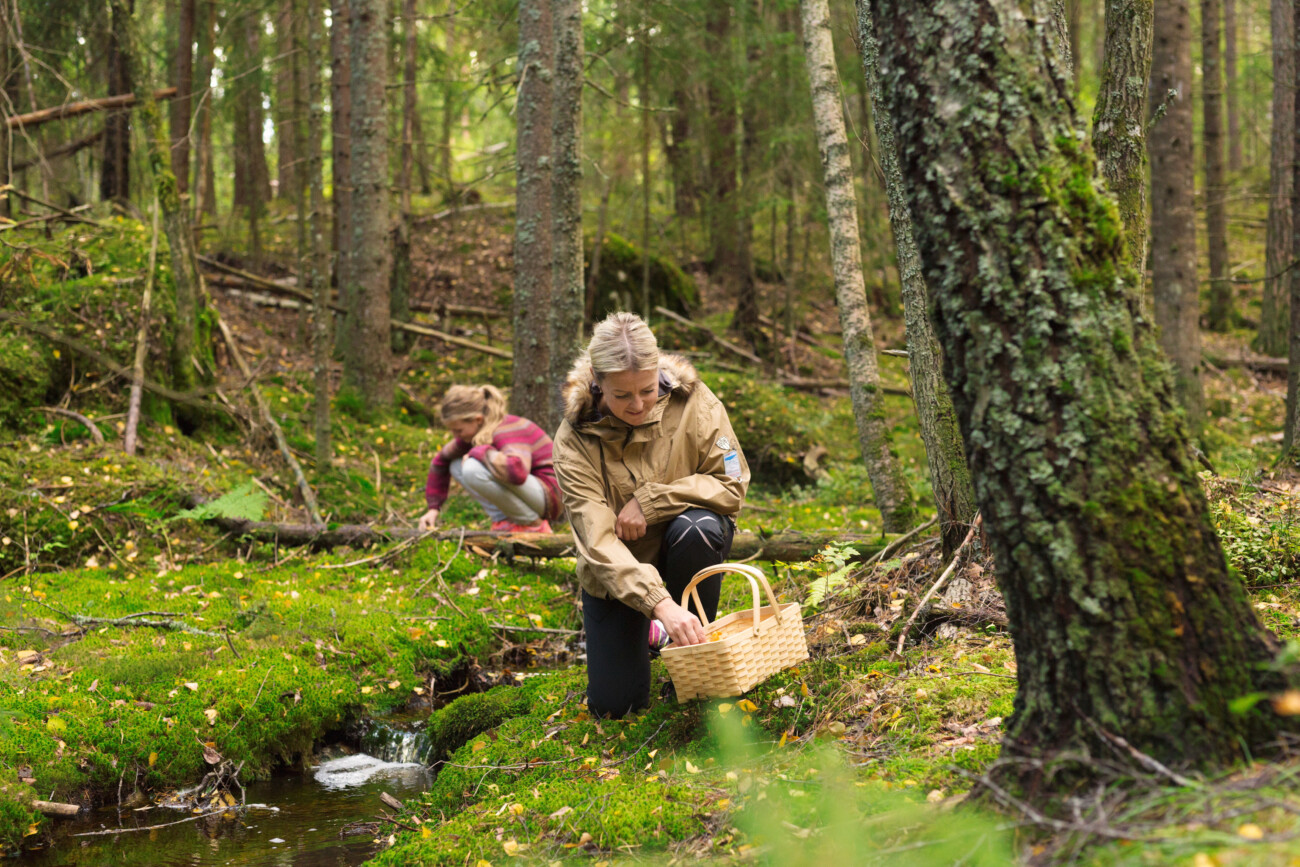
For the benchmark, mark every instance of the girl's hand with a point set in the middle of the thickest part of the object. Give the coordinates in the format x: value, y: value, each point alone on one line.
x: 630, y: 524
x: 683, y: 627
x: 429, y: 520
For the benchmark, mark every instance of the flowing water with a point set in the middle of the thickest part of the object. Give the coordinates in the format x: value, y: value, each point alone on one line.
x: 299, y: 819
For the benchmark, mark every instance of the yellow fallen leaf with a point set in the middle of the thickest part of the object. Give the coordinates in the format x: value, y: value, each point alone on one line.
x: 153, y: 759
x: 746, y: 705
x: 1288, y: 703
x: 192, y: 687
x: 478, y: 745
x: 836, y: 728
x: 691, y: 768
x: 1251, y: 831
x: 211, y: 714
x: 723, y: 804
x: 425, y: 832
x: 1200, y: 859
x: 441, y: 642
x: 512, y: 847
x: 516, y: 809
x: 483, y: 863
x: 725, y: 708
x: 803, y: 690
x: 33, y: 828
x: 366, y: 690
x: 394, y: 684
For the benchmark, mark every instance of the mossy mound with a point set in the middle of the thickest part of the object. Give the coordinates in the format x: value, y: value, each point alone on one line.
x: 618, y: 286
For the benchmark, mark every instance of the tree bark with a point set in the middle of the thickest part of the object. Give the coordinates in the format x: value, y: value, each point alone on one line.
x: 1119, y: 121
x: 1173, y: 220
x: 1274, y: 314
x: 285, y: 110
x: 530, y: 392
x: 888, y: 484
x: 115, y: 174
x: 367, y: 359
x: 723, y: 221
x: 182, y: 106
x: 341, y: 158
x: 319, y: 273
x: 1216, y: 183
x: 944, y: 449
x: 1078, y: 449
x: 1230, y: 84
x: 1291, y: 427
x: 400, y: 294
x: 567, y: 291
x: 205, y: 176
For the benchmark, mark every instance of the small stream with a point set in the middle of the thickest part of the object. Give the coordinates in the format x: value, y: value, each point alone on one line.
x: 293, y: 820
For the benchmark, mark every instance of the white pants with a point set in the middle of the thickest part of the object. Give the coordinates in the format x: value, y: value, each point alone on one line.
x: 519, y: 504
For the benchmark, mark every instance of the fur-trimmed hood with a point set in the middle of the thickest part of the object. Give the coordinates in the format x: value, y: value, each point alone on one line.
x: 580, y: 393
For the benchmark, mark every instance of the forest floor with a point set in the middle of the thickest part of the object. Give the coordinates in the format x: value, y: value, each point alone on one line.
x: 143, y: 650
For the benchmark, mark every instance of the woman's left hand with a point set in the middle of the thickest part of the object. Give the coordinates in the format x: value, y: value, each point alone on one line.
x: 630, y: 525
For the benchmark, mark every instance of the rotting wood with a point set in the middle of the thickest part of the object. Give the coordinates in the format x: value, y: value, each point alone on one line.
x: 957, y: 559
x: 72, y: 109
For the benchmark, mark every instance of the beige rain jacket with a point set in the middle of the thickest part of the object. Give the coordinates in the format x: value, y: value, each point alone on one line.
x: 684, y: 456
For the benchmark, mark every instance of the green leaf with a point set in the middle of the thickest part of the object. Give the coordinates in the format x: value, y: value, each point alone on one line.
x: 246, y: 501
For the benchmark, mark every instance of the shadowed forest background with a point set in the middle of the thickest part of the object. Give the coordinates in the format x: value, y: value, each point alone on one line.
x: 1000, y: 301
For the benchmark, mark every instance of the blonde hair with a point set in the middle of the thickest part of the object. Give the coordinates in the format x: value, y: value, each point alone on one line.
x: 467, y: 401
x: 622, y: 341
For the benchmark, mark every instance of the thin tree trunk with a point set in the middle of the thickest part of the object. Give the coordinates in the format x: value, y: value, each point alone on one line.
x: 1062, y: 37
x: 182, y: 106
x: 1173, y: 220
x: 319, y: 273
x: 285, y: 109
x: 115, y: 175
x: 341, y: 159
x: 1074, y: 20
x: 1275, y: 311
x: 204, y: 181
x: 141, y: 343
x: 597, y: 248
x: 745, y: 319
x: 567, y: 306
x: 1216, y: 185
x: 530, y: 392
x: 944, y: 448
x: 448, y: 103
x: 1230, y: 84
x: 646, y: 180
x: 723, y: 222
x: 1291, y: 427
x: 889, y: 485
x: 400, y: 294
x: 1077, y: 445
x: 16, y: 33
x: 1119, y: 121
x: 367, y: 359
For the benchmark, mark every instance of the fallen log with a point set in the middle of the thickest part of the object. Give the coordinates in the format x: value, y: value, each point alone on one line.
x: 72, y: 109
x: 789, y: 547
x: 54, y: 808
x: 1260, y: 362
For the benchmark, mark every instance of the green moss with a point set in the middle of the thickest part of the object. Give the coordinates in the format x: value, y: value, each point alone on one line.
x: 618, y: 286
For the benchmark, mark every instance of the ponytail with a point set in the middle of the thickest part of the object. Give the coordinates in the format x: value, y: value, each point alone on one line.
x: 467, y: 401
x: 494, y: 412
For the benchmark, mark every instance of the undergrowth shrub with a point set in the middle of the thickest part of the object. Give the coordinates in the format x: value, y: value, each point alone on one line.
x: 1263, y: 547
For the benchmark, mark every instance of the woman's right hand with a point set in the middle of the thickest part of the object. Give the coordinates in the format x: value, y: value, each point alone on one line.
x: 684, y: 628
x: 429, y: 520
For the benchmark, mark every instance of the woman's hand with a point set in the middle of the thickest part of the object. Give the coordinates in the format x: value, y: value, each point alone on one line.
x: 630, y: 524
x: 683, y: 627
x: 429, y: 520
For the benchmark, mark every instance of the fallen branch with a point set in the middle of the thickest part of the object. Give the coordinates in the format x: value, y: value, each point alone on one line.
x: 152, y: 827
x: 137, y: 620
x: 505, y: 628
x: 77, y: 417
x: 1275, y: 365
x: 72, y: 109
x: 957, y: 558
x: 62, y: 150
x: 308, y: 496
x: 804, y: 384
x: 54, y: 808
x: 456, y: 212
x: 725, y: 344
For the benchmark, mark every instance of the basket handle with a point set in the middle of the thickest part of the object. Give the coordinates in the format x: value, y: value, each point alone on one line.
x: 755, y: 576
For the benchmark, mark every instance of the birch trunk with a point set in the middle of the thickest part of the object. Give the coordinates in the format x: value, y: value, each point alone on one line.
x: 1116, y: 586
x: 893, y: 497
x: 1216, y: 183
x: 1173, y: 220
x: 944, y: 449
x: 1119, y: 121
x: 367, y: 359
x: 567, y: 306
x: 530, y: 393
x: 1274, y: 314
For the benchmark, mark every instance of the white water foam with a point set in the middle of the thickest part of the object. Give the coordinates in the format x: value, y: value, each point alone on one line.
x: 351, y: 771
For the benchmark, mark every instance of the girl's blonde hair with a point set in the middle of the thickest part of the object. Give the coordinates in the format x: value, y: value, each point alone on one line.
x: 467, y: 401
x: 622, y: 341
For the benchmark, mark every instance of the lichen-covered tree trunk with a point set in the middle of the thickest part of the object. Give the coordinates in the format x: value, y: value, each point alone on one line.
x: 1219, y: 317
x: 566, y: 197
x: 319, y: 271
x: 181, y: 104
x: 944, y: 450
x: 530, y: 392
x: 400, y: 295
x: 341, y: 158
x: 367, y: 358
x: 1173, y: 220
x: 1291, y: 427
x: 1230, y: 100
x: 1123, y: 611
x: 1119, y: 121
x: 893, y: 496
x: 1274, y: 314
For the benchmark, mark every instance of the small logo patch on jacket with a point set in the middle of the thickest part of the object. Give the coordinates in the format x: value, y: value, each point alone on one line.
x: 724, y: 443
x: 731, y: 463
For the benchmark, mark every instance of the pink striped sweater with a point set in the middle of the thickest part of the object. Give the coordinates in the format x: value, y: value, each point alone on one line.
x: 525, y: 449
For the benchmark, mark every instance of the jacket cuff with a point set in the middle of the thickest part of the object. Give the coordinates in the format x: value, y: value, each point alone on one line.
x: 648, y: 509
x: 656, y: 594
x: 479, y: 453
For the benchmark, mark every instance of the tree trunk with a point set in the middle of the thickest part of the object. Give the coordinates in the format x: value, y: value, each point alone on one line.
x: 944, y: 449
x: 724, y: 222
x: 400, y: 300
x: 678, y: 154
x: 1216, y: 185
x: 367, y: 359
x: 567, y: 291
x: 115, y: 175
x: 1119, y: 121
x: 341, y: 159
x: 1274, y: 313
x: 1173, y: 220
x: 1291, y: 427
x: 889, y: 485
x: 285, y: 109
x: 1078, y: 449
x: 205, y: 177
x: 1063, y: 39
x: 449, y: 102
x: 745, y: 320
x: 530, y: 391
x: 182, y: 105
x: 1230, y: 84
x: 319, y: 273
x: 647, y: 179
x: 1074, y: 20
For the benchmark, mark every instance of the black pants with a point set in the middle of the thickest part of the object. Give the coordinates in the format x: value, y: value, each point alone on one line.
x: 618, y: 652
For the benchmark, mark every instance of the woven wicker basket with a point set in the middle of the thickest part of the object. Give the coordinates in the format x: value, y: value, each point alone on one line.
x: 746, y: 647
